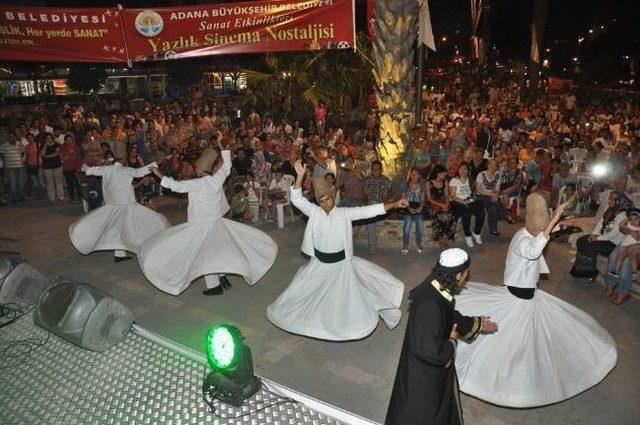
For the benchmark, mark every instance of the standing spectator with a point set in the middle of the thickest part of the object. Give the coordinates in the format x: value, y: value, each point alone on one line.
x: 377, y: 188
x: 71, y: 163
x: 437, y: 195
x: 34, y: 166
x: 13, y: 158
x: 350, y: 179
x: 488, y: 190
x: 413, y: 191
x: 464, y: 206
x: 52, y: 169
x: 320, y: 114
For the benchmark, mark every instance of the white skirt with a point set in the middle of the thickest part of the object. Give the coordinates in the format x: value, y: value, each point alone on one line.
x: 116, y: 227
x: 172, y: 259
x: 338, y: 301
x: 545, y: 350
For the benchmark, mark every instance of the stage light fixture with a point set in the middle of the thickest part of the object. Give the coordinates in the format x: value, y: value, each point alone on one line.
x: 231, y: 379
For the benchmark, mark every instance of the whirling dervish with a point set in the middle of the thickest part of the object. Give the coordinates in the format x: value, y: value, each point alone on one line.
x: 336, y: 295
x: 547, y: 350
x: 207, y: 244
x: 121, y: 224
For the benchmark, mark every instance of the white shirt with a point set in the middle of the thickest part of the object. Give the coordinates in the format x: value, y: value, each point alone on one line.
x: 463, y: 190
x: 525, y: 261
x: 116, y: 181
x: 612, y: 232
x: 331, y: 232
x: 207, y: 200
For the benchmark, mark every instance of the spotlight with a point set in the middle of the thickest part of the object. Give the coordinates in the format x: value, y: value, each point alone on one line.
x: 599, y: 170
x: 231, y: 379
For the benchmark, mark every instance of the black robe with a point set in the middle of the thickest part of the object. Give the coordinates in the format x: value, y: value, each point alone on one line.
x: 426, y: 386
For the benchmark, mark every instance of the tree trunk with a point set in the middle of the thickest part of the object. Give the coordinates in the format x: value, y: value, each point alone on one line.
x: 393, y: 50
x: 538, y: 26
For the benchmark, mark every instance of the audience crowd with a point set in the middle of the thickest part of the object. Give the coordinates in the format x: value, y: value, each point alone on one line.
x: 480, y: 148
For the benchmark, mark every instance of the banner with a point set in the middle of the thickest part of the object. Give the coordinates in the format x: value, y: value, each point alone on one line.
x: 231, y: 28
x: 425, y: 32
x: 125, y: 35
x: 61, y: 34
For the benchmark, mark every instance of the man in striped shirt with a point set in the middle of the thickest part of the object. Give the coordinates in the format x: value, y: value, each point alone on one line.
x: 13, y: 158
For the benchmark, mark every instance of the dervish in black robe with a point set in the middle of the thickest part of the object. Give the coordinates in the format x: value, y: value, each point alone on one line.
x: 425, y: 391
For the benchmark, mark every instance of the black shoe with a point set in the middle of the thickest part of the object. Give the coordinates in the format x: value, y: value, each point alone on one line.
x: 214, y: 291
x: 224, y: 282
x: 496, y: 233
x: 120, y: 259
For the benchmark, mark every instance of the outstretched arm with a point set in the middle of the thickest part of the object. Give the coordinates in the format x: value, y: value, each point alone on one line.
x: 174, y: 185
x: 531, y: 249
x: 225, y: 170
x: 297, y: 199
x: 143, y: 171
x: 369, y: 211
x: 95, y: 171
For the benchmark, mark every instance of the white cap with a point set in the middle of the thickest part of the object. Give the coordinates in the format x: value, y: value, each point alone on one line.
x: 453, y: 257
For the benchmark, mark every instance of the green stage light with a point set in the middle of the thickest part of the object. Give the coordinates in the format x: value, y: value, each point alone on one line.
x: 231, y: 379
x: 223, y: 342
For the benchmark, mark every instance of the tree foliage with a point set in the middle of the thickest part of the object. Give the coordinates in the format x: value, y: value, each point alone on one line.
x: 86, y: 79
x: 295, y: 82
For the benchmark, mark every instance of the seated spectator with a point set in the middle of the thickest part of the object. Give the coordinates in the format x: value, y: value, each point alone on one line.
x: 437, y: 195
x: 560, y: 180
x: 276, y: 194
x: 511, y: 183
x: 619, y: 279
x: 464, y: 205
x: 604, y: 238
x: 239, y: 204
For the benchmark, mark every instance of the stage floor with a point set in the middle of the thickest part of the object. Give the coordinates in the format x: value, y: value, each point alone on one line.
x: 355, y: 376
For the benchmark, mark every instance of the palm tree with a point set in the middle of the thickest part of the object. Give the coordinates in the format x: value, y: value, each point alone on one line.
x: 393, y: 50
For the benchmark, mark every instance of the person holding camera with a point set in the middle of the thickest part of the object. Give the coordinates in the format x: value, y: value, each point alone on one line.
x: 413, y: 191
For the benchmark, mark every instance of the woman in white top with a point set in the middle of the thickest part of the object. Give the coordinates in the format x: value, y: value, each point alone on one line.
x: 604, y: 238
x: 464, y: 205
x: 547, y: 350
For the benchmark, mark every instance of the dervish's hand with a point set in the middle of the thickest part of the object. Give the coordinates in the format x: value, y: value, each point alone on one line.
x: 300, y: 168
x: 454, y: 332
x: 157, y: 172
x: 487, y: 326
x: 557, y: 214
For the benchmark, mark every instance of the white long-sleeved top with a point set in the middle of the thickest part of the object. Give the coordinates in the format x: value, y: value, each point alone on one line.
x: 207, y: 200
x: 116, y: 181
x: 525, y: 261
x: 612, y: 232
x: 330, y: 232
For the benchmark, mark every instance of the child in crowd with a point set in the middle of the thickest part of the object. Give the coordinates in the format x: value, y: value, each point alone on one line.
x: 630, y: 246
x: 240, y: 204
x: 252, y: 188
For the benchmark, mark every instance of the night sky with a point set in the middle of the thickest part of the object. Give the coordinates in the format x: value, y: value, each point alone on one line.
x: 508, y: 26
